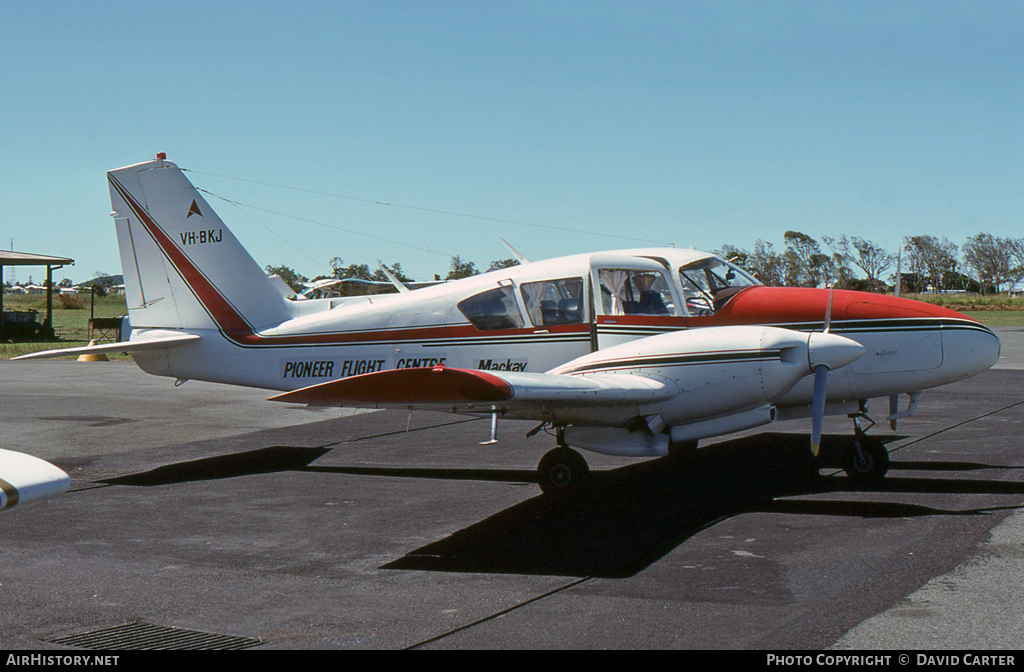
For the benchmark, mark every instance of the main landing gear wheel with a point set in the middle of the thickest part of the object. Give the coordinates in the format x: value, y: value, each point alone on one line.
x: 562, y: 472
x: 868, y: 463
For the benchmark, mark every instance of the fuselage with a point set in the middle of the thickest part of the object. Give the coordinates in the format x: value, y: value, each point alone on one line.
x: 538, y: 316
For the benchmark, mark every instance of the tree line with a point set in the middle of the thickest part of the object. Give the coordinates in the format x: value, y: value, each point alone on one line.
x: 984, y: 264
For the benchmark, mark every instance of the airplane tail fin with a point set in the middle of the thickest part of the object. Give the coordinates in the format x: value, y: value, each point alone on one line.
x: 182, y: 267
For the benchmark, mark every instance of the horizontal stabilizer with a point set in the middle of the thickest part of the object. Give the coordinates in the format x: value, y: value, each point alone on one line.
x: 25, y: 479
x: 469, y: 388
x: 149, y: 341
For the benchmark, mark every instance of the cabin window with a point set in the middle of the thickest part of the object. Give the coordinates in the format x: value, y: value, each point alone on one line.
x: 632, y: 292
x: 493, y: 309
x: 698, y: 301
x: 551, y: 302
x: 708, y: 283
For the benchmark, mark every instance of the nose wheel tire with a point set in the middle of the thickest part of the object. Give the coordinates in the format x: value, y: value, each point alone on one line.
x: 562, y: 472
x: 870, y: 463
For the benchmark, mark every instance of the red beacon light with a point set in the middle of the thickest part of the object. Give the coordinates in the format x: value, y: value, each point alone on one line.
x: 161, y: 155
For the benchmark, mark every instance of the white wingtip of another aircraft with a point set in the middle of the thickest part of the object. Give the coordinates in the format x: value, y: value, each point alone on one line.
x: 25, y: 479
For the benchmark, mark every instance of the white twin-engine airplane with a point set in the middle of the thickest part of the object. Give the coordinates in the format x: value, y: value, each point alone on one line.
x: 632, y: 353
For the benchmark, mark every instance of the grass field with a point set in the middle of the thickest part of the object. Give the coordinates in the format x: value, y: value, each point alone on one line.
x: 995, y: 311
x: 997, y: 318
x: 972, y: 301
x: 72, y: 324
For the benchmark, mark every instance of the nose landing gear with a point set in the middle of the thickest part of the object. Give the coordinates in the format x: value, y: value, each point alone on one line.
x: 867, y: 459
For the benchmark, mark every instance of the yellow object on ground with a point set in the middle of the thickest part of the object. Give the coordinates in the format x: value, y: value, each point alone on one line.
x: 95, y: 357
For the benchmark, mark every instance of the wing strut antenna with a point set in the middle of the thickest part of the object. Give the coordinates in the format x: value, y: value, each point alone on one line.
x: 399, y: 285
x: 515, y: 253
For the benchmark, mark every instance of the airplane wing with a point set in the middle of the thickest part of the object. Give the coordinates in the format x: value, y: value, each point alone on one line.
x: 25, y: 479
x: 472, y: 390
x: 152, y: 340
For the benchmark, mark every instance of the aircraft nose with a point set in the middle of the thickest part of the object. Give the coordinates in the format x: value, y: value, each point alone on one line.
x: 964, y: 346
x: 968, y: 346
x: 968, y: 350
x: 831, y: 350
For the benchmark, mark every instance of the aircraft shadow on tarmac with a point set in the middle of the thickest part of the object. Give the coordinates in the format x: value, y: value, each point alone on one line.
x: 629, y: 517
x: 263, y: 461
x: 634, y: 515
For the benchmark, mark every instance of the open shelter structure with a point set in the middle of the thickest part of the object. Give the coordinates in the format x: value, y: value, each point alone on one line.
x: 12, y: 258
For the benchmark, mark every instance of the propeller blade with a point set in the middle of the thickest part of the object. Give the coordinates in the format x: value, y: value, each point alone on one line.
x: 818, y: 406
x: 828, y: 311
x: 825, y: 351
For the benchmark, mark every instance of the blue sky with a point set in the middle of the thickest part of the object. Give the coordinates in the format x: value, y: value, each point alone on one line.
x: 627, y: 123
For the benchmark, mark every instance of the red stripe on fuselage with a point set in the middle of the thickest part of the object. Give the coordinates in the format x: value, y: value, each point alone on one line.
x: 465, y: 333
x: 654, y: 321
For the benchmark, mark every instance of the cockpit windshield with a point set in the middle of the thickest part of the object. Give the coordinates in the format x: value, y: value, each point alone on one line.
x: 709, y: 282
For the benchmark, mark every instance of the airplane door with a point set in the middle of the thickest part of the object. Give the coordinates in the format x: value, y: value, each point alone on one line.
x: 632, y: 300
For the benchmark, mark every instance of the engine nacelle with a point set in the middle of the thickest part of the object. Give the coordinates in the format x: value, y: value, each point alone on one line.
x: 737, y: 422
x: 719, y: 373
x: 617, y: 441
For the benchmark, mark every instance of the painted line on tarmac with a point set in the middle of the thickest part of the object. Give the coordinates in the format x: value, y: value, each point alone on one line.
x: 503, y: 612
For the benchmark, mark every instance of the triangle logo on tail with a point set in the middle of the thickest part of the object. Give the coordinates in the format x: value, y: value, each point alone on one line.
x: 193, y: 209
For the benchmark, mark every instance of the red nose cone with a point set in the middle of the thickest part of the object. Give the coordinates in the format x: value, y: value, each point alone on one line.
x: 802, y: 307
x: 863, y: 305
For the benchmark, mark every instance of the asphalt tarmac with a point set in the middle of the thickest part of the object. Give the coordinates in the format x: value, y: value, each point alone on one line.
x: 205, y: 515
